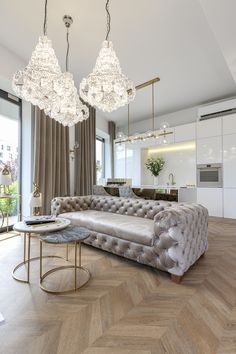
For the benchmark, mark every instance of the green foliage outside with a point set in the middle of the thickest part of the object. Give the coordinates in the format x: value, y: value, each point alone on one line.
x: 155, y: 165
x: 10, y: 205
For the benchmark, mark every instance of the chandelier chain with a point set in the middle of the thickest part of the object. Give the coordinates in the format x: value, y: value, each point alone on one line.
x: 68, y: 48
x: 45, y: 18
x: 108, y: 20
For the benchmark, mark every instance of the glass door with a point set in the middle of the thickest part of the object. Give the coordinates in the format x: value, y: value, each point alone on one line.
x: 10, y: 158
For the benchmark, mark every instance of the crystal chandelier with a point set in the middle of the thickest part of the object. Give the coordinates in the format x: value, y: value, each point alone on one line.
x: 35, y: 82
x: 66, y: 106
x: 106, y: 87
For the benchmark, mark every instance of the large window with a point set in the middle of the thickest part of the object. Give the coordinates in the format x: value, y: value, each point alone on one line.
x: 10, y: 132
x: 100, y: 159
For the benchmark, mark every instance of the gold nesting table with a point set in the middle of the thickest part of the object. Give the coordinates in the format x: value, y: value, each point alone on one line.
x: 59, y: 224
x: 73, y: 235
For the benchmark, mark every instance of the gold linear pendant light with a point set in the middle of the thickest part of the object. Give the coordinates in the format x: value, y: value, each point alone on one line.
x: 150, y: 134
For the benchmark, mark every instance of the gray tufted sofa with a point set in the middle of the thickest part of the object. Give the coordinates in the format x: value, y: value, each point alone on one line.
x: 165, y: 235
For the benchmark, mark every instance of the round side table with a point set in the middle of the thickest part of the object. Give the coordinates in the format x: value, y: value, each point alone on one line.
x: 72, y: 234
x: 27, y: 230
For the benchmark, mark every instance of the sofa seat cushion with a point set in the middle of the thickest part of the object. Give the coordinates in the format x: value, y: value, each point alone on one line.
x: 130, y: 228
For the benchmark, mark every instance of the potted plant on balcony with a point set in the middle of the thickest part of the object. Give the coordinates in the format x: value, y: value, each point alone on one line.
x: 155, y: 165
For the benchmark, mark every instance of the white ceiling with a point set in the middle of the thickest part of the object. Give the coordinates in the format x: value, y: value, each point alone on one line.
x: 176, y: 40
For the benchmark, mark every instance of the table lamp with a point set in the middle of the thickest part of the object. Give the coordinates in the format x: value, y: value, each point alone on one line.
x: 5, y: 180
x: 36, y: 200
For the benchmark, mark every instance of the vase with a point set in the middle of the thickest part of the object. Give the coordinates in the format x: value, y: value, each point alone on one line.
x: 155, y: 180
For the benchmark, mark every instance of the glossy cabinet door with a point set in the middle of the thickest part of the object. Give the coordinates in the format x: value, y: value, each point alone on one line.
x: 209, y: 127
x: 209, y: 150
x: 229, y: 203
x: 229, y: 124
x: 212, y: 199
x: 133, y: 163
x: 186, y: 132
x: 120, y: 161
x: 229, y: 156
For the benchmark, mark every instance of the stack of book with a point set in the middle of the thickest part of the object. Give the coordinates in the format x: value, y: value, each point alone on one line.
x: 38, y: 220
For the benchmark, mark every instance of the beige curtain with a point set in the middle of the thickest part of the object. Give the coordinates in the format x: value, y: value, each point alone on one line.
x: 85, y: 155
x: 51, y: 158
x: 112, y: 134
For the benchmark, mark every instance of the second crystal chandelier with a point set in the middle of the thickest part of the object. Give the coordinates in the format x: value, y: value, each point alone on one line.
x: 66, y: 106
x: 106, y: 87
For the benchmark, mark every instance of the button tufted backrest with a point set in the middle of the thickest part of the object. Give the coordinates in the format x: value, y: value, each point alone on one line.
x: 61, y: 205
x: 129, y: 206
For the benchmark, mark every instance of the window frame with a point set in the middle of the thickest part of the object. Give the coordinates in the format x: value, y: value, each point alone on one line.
x: 102, y: 140
x: 18, y: 102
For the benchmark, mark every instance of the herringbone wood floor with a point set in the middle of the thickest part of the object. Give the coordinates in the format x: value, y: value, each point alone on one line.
x: 126, y: 308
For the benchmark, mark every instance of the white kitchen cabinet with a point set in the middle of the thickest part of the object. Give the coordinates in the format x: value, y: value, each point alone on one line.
x: 186, y: 132
x: 133, y: 164
x: 209, y: 150
x: 229, y: 203
x: 212, y: 199
x: 187, y: 195
x: 120, y: 164
x: 229, y: 159
x: 209, y: 127
x: 229, y: 124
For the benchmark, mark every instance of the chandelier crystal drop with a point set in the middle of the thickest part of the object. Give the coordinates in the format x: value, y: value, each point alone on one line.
x: 107, y: 87
x: 35, y: 82
x: 66, y: 106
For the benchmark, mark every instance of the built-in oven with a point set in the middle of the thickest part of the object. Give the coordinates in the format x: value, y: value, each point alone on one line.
x: 209, y: 175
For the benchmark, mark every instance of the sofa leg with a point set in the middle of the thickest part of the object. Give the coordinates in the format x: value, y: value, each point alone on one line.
x: 176, y: 278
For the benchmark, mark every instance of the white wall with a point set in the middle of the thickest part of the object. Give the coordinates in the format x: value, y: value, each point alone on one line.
x: 9, y: 63
x: 180, y: 159
x: 184, y: 116
x: 101, y: 123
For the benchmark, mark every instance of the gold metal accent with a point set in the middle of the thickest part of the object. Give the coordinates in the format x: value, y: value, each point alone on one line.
x: 7, y: 197
x: 6, y: 170
x: 72, y: 151
x: 36, y: 192
x: 145, y: 84
x: 67, y: 252
x: 28, y: 260
x: 75, y: 267
x: 153, y: 113
x: 141, y: 86
x: 165, y: 133
x: 28, y: 273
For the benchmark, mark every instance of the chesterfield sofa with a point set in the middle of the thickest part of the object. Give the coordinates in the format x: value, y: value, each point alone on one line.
x: 169, y: 236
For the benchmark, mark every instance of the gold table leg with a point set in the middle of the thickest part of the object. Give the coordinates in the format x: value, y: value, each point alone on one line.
x: 24, y: 245
x: 67, y: 251
x: 28, y: 260
x: 73, y: 266
x: 41, y: 260
x: 7, y: 217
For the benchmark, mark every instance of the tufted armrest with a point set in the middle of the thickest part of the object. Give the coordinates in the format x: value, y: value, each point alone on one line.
x: 180, y: 236
x: 61, y: 205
